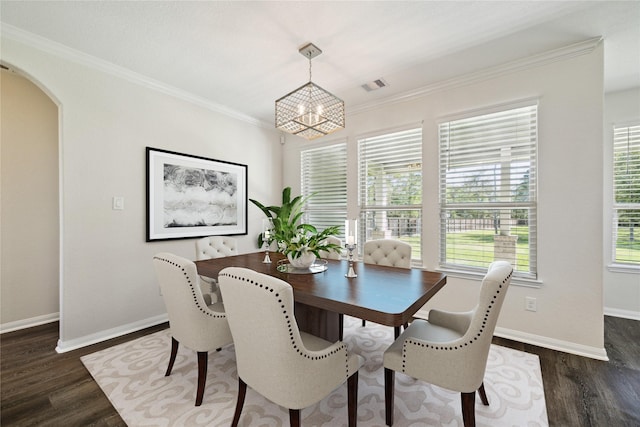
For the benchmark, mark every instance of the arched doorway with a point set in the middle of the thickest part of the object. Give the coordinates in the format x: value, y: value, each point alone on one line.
x: 30, y: 207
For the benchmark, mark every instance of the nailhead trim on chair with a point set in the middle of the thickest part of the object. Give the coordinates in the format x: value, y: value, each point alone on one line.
x: 456, y: 347
x: 288, y: 318
x: 205, y: 309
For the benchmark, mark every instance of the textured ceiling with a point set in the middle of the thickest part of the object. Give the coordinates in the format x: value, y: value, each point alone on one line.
x: 244, y: 55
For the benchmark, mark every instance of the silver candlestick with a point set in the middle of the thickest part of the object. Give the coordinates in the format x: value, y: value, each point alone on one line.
x: 351, y: 272
x: 266, y: 259
x: 266, y: 242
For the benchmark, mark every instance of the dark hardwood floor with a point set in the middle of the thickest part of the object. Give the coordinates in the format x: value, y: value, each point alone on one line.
x: 39, y: 387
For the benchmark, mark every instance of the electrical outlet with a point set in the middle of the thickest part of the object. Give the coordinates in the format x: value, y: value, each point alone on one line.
x: 530, y: 304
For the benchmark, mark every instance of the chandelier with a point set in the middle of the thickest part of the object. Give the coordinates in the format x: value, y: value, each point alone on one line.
x: 309, y: 111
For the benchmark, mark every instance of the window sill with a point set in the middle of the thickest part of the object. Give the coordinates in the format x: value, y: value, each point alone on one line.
x: 472, y: 275
x: 624, y: 268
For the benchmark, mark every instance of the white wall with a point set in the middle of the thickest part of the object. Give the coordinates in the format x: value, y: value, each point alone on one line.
x: 29, y: 205
x: 106, y: 121
x: 621, y: 289
x: 107, y: 281
x: 570, y: 93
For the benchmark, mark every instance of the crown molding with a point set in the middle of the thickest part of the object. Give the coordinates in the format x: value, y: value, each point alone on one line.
x: 73, y: 55
x: 62, y: 51
x: 560, y: 54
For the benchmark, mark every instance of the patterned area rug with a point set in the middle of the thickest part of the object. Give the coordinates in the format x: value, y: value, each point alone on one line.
x: 132, y: 377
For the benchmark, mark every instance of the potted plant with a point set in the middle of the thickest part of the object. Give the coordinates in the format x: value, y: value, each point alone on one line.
x: 300, y: 242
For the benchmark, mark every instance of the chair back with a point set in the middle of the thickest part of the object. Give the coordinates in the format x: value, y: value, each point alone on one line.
x: 485, y: 315
x: 271, y: 356
x: 192, y: 322
x: 216, y: 247
x: 331, y: 254
x: 466, y: 357
x: 389, y: 252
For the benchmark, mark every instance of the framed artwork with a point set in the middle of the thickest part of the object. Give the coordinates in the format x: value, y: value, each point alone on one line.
x: 191, y: 196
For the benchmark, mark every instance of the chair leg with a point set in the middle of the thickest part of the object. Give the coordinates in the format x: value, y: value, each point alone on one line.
x: 174, y: 351
x: 352, y: 399
x: 389, y: 379
x: 396, y: 331
x: 242, y: 392
x: 483, y: 395
x: 294, y: 417
x: 364, y: 323
x: 340, y: 326
x: 468, y: 409
x: 203, y: 358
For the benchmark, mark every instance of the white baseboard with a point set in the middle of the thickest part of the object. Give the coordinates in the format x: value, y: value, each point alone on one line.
x: 625, y: 314
x: 553, y: 344
x: 28, y: 323
x: 64, y: 346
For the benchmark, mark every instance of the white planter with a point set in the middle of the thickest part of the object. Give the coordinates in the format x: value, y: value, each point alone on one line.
x: 303, y: 261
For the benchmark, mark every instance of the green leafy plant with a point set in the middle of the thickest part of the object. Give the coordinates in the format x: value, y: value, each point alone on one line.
x: 291, y: 236
x: 308, y: 239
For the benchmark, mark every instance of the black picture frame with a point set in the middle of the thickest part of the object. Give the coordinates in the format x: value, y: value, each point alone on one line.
x: 191, y: 196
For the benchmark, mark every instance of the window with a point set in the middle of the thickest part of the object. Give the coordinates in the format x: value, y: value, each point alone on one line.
x: 626, y: 193
x: 324, y: 174
x: 488, y: 191
x: 390, y: 187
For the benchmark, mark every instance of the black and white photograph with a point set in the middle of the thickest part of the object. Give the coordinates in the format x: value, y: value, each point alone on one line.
x: 191, y: 196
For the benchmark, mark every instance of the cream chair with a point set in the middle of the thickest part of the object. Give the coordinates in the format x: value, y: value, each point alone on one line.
x: 193, y: 323
x: 389, y: 252
x: 214, y: 247
x: 291, y: 368
x: 450, y: 350
x: 331, y: 254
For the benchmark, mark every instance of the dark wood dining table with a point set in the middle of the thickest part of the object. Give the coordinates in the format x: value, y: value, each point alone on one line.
x: 385, y: 295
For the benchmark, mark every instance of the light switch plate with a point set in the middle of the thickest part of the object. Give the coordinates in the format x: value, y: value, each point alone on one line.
x: 118, y: 203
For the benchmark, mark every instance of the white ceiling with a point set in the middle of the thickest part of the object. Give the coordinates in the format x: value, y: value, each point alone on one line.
x: 243, y: 55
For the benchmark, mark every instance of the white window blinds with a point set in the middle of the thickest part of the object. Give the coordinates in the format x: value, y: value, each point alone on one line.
x: 488, y: 190
x: 390, y: 187
x: 324, y: 174
x: 626, y: 190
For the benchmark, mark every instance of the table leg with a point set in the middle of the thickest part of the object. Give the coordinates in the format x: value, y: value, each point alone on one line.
x: 319, y: 322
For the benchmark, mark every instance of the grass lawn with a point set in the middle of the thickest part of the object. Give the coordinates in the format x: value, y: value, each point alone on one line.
x: 627, y: 245
x: 475, y: 247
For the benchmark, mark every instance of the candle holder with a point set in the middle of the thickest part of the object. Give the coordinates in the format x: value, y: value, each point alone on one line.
x: 267, y: 259
x: 267, y: 233
x: 266, y: 242
x: 351, y: 272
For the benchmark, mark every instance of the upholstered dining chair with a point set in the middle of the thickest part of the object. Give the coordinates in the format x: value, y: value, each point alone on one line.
x: 389, y: 252
x: 450, y: 350
x: 214, y: 247
x: 291, y: 368
x: 192, y: 322
x: 331, y: 254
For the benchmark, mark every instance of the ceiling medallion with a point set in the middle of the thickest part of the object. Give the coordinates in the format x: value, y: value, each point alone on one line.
x: 310, y: 111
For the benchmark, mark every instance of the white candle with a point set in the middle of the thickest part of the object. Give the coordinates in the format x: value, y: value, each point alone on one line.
x: 351, y: 231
